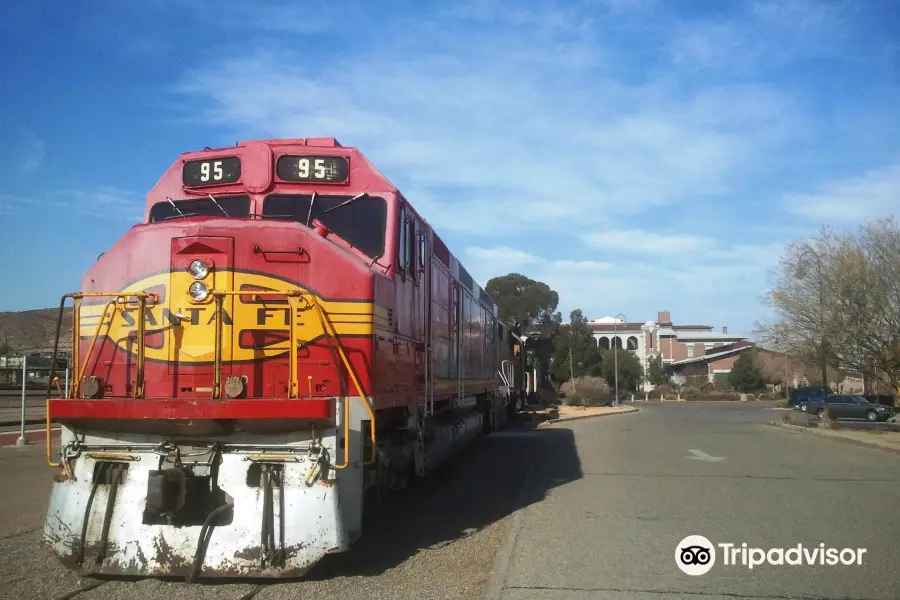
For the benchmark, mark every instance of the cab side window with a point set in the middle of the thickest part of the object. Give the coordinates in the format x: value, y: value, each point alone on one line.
x: 407, y: 246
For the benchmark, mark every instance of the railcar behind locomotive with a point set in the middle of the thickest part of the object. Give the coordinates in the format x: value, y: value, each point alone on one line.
x: 280, y: 339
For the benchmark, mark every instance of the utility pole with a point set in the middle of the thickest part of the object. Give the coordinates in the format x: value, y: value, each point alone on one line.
x: 616, y: 352
x: 21, y: 441
x: 787, y: 375
x: 572, y: 371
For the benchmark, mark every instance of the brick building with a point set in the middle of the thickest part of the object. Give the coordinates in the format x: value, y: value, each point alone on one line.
x: 713, y: 368
x: 662, y: 337
x: 698, y: 352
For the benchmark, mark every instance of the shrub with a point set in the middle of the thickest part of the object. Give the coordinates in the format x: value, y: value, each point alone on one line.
x: 572, y: 401
x: 664, y: 389
x: 588, y: 391
x: 689, y: 392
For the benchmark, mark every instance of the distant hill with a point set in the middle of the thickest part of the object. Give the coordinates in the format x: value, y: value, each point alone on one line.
x: 34, y: 330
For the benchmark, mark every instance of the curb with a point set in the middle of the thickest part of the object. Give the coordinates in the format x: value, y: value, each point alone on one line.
x: 34, y: 438
x: 838, y: 437
x: 567, y: 419
x: 17, y: 422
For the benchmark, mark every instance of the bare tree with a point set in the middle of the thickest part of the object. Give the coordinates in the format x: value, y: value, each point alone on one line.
x: 837, y: 303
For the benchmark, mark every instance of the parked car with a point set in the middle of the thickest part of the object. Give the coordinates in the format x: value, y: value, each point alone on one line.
x: 851, y: 406
x: 808, y: 394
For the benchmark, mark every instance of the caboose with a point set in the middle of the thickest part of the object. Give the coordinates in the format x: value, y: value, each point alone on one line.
x: 281, y: 339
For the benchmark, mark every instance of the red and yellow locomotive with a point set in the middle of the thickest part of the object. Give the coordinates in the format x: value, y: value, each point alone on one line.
x: 280, y: 337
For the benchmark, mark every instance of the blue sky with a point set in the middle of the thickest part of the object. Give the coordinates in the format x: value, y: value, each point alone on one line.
x: 636, y: 155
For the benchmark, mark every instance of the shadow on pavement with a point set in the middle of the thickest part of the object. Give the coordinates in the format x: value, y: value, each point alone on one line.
x: 480, y: 486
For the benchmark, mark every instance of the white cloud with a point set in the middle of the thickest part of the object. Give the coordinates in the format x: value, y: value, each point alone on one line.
x: 501, y: 255
x: 582, y: 266
x: 871, y: 195
x: 647, y: 242
x: 703, y: 284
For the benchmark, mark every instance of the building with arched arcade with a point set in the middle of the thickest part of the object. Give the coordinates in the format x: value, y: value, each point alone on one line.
x: 661, y: 337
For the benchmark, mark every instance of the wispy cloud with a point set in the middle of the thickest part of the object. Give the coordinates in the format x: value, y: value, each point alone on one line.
x: 499, y: 142
x: 102, y: 203
x: 854, y: 199
x: 640, y: 241
x: 701, y: 284
x: 771, y: 32
x: 33, y: 153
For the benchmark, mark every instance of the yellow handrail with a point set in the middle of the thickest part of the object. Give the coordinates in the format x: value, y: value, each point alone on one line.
x: 118, y: 298
x: 219, y: 295
x: 293, y: 384
x: 81, y: 368
x: 327, y: 327
x: 323, y: 319
x: 76, y: 360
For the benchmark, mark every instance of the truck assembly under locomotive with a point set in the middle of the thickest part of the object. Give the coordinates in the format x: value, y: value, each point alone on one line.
x: 282, y: 337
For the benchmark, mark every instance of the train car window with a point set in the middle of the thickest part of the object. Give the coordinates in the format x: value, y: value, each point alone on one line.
x: 401, y: 244
x: 411, y: 248
x: 236, y: 207
x: 423, y: 249
x: 360, y: 222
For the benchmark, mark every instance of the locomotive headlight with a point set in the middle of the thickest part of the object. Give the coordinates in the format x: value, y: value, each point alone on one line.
x: 198, y: 291
x: 199, y: 268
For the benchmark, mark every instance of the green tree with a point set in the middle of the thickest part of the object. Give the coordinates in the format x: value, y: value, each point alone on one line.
x: 747, y: 375
x: 4, y: 347
x: 523, y: 302
x: 656, y: 372
x: 631, y: 373
x: 576, y: 340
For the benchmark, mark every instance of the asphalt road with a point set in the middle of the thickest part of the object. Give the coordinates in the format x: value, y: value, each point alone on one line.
x: 611, y: 518
x: 605, y: 500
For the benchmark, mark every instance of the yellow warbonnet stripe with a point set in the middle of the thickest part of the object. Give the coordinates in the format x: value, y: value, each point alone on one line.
x: 179, y: 329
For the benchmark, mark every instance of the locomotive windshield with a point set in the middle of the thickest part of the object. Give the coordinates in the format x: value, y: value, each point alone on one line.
x: 223, y: 206
x: 361, y: 223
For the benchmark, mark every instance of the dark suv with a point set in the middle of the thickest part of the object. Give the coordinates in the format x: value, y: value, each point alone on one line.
x: 851, y: 406
x: 808, y: 394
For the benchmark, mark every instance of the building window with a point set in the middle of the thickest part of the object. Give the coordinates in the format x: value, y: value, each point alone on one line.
x: 690, y: 351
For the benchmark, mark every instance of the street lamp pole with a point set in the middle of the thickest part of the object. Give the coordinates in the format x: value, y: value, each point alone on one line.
x: 616, y: 353
x: 800, y: 273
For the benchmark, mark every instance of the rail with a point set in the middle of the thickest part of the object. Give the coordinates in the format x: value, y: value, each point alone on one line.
x: 77, y: 297
x: 120, y: 298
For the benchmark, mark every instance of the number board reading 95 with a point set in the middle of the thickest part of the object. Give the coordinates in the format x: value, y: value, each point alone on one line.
x: 211, y: 171
x: 316, y: 169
